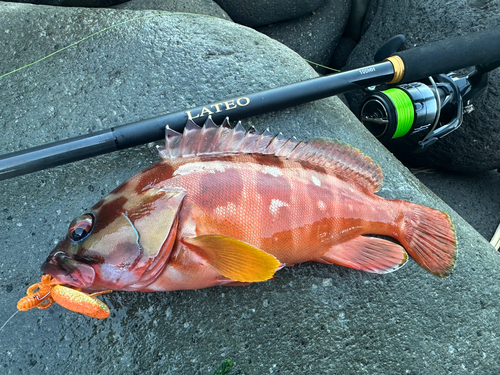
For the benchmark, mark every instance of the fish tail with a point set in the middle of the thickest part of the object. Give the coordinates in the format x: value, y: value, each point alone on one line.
x: 429, y: 237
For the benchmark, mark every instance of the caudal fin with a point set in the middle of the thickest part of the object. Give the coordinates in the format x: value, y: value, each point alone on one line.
x: 429, y: 237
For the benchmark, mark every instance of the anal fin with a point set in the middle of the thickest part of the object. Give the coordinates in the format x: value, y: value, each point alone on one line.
x: 234, y: 259
x: 368, y: 254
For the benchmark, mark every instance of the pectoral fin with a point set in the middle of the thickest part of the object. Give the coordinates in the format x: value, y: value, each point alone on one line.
x: 233, y: 258
x: 368, y: 254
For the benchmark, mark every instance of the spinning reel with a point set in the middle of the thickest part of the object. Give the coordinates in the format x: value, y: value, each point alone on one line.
x: 426, y: 110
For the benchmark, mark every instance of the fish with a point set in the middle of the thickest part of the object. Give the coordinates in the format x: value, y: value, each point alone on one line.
x: 227, y: 206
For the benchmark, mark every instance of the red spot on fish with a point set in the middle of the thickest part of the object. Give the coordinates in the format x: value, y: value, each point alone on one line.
x: 86, y: 256
x: 313, y: 167
x: 232, y: 182
x: 124, y: 255
x: 269, y: 160
x: 321, y: 231
x: 147, y: 206
x: 98, y: 205
x: 108, y: 213
x: 283, y: 241
x: 153, y: 175
x: 271, y: 187
x: 221, y: 158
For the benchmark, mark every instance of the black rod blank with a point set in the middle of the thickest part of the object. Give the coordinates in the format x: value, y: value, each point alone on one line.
x: 145, y: 131
x: 481, y: 48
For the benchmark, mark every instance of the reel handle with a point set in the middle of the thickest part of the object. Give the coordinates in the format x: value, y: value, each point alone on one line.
x: 448, y: 55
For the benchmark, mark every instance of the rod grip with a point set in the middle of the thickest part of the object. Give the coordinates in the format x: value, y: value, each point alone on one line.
x: 451, y: 54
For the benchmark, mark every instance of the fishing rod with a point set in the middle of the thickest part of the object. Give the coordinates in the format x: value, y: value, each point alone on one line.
x: 385, y: 113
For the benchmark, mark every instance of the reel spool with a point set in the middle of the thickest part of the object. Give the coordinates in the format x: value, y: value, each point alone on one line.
x: 402, y: 110
x: 406, y: 110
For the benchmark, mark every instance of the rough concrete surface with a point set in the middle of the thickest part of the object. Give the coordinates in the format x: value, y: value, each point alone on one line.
x: 312, y: 319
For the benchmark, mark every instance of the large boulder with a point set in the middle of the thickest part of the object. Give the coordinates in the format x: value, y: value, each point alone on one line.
x: 474, y: 146
x: 209, y: 8
x: 74, y: 3
x: 313, y: 36
x: 264, y: 12
x: 313, y: 318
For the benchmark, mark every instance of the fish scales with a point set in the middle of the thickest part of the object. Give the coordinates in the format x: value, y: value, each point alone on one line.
x: 280, y: 210
x: 229, y: 206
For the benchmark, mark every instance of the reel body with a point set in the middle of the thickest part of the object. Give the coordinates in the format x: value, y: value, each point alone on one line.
x: 416, y: 115
x: 425, y: 112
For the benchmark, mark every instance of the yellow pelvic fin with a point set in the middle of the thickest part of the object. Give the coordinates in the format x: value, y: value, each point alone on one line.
x: 233, y: 258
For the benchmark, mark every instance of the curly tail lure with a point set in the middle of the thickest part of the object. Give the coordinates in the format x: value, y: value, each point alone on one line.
x: 50, y: 290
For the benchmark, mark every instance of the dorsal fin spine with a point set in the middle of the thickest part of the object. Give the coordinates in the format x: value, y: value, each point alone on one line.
x: 344, y: 161
x: 210, y: 123
x: 172, y: 143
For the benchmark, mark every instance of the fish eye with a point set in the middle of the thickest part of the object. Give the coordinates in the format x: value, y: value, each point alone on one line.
x: 81, y: 227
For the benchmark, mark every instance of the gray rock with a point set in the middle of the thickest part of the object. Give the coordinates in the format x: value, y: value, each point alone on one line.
x: 472, y: 196
x: 314, y: 36
x: 263, y: 12
x: 351, y: 34
x: 356, y: 20
x: 194, y: 6
x: 73, y: 3
x: 312, y: 319
x: 474, y: 146
x: 342, y: 52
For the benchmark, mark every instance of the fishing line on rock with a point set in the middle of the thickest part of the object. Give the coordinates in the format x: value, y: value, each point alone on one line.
x: 112, y: 27
x: 92, y: 35
x: 8, y: 320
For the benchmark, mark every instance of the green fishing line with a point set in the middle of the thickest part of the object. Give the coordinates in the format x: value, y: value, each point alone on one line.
x: 111, y: 27
x: 321, y: 66
x: 94, y: 34
x: 404, y: 111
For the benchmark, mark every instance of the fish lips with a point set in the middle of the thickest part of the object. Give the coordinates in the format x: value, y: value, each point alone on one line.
x: 69, y: 271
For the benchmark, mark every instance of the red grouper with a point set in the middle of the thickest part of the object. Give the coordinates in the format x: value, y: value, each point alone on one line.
x: 229, y: 206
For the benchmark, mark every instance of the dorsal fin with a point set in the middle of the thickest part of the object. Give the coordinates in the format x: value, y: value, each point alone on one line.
x: 348, y: 163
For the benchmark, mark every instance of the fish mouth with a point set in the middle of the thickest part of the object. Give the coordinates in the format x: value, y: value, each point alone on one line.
x: 69, y: 271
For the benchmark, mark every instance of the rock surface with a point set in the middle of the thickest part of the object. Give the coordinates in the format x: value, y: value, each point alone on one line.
x: 314, y: 36
x: 193, y: 6
x: 472, y: 196
x: 474, y: 146
x: 263, y: 12
x: 352, y: 33
x: 312, y: 319
x: 74, y: 3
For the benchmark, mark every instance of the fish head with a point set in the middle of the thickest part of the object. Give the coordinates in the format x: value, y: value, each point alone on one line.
x: 124, y: 240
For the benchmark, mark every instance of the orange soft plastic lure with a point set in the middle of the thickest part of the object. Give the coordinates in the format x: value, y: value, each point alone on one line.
x: 50, y: 290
